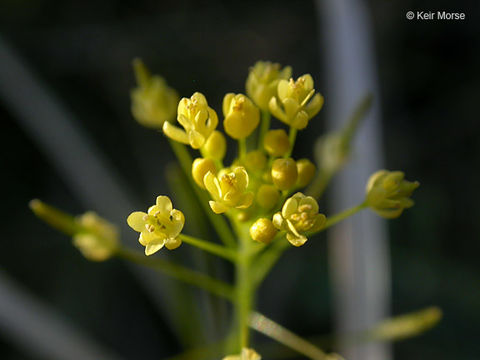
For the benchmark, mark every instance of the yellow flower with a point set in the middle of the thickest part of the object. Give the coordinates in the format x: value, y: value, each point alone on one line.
x: 263, y: 231
x: 228, y: 190
x: 160, y: 226
x: 97, y: 239
x: 388, y: 193
x: 247, y: 354
x: 284, y: 173
x: 262, y: 82
x: 153, y: 101
x: 197, y: 119
x: 296, y: 103
x: 299, y: 215
x: 276, y: 142
x: 241, y: 116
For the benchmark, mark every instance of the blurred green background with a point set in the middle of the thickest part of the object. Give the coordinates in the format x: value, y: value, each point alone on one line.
x: 82, y: 51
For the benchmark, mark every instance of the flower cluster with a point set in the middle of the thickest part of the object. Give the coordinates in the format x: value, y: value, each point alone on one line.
x: 255, y: 188
x: 266, y: 194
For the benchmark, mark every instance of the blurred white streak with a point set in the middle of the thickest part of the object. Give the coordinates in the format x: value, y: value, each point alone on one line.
x: 358, y: 248
x: 86, y: 171
x: 39, y: 331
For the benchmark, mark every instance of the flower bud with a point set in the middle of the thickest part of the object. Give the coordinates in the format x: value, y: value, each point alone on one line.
x: 241, y: 116
x: 263, y: 231
x: 284, y: 173
x: 276, y: 142
x: 262, y: 82
x: 200, y: 167
x: 153, y: 101
x: 306, y: 171
x: 388, y: 194
x: 332, y: 152
x: 267, y: 196
x: 98, y: 239
x: 216, y: 146
x: 255, y: 161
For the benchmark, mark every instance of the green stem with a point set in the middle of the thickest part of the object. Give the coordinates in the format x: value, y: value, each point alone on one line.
x: 244, y: 288
x: 343, y: 215
x: 212, y: 248
x: 179, y: 272
x: 57, y: 219
x: 264, y: 127
x: 267, y: 260
x: 292, y: 136
x: 286, y: 337
x: 242, y: 148
x: 218, y: 222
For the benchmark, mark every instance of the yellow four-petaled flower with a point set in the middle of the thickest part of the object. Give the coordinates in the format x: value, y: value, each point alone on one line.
x: 297, y: 102
x: 228, y: 190
x: 299, y: 215
x: 388, y: 193
x: 197, y: 119
x: 159, y: 227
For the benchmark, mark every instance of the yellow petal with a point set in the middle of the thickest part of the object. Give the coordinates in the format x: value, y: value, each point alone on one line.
x: 276, y: 110
x: 283, y: 89
x: 172, y: 244
x: 245, y: 201
x: 300, y: 121
x: 278, y: 221
x: 196, y: 139
x: 165, y: 204
x: 178, y: 221
x: 291, y: 107
x: 314, y: 106
x: 320, y: 221
x: 227, y: 101
x: 296, y: 240
x: 241, y: 177
x: 307, y: 81
x: 136, y: 220
x: 217, y: 207
x: 211, y: 184
x: 152, y: 248
x: 175, y: 133
x: 289, y: 207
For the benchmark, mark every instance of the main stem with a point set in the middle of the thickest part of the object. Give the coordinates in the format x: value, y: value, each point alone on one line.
x: 244, y: 288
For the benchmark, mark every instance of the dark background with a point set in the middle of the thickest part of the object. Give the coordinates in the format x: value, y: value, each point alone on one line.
x: 82, y: 50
